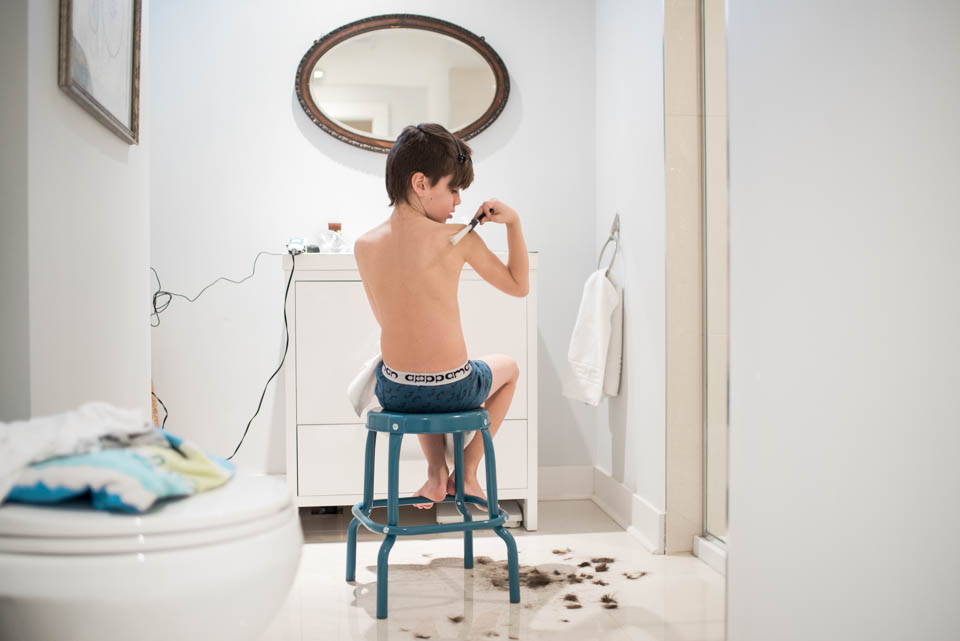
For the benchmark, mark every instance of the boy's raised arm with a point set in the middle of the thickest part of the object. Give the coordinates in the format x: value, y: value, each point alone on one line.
x: 514, y: 277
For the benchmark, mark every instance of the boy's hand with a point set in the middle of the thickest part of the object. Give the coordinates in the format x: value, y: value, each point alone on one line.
x: 497, y: 212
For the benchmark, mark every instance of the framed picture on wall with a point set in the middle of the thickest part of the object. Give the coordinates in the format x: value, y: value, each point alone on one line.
x: 100, y: 61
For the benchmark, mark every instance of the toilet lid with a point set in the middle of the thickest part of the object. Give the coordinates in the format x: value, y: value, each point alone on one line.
x: 243, y: 500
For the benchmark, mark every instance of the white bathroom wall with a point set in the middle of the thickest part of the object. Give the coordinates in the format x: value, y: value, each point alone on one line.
x: 86, y: 330
x: 237, y: 167
x: 630, y: 444
x: 14, y: 291
x: 844, y: 315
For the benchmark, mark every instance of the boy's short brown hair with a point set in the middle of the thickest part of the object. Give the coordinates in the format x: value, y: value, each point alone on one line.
x: 431, y: 149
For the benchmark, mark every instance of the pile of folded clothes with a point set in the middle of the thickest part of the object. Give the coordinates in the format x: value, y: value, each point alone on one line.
x: 116, y: 457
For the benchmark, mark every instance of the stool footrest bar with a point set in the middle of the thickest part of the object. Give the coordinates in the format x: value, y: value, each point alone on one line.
x: 414, y: 500
x: 399, y: 530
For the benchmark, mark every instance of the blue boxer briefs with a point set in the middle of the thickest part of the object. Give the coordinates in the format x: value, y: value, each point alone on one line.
x: 428, y: 394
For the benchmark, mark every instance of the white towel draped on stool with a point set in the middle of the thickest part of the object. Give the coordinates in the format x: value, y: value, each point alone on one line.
x: 596, y: 346
x: 361, y: 390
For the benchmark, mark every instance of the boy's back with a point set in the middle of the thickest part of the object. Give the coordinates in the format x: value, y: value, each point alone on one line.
x: 411, y: 273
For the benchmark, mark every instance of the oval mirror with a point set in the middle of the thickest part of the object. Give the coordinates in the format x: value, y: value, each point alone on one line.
x: 366, y: 81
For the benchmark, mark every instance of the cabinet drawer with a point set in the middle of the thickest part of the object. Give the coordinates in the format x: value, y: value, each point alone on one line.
x: 330, y: 460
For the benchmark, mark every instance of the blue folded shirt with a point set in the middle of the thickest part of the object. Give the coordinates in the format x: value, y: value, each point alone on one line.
x: 129, y: 477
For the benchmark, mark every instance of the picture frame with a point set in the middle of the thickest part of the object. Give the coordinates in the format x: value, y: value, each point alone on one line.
x: 99, y: 61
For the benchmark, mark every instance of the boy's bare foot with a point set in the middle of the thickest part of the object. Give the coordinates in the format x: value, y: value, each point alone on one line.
x: 470, y: 485
x: 434, y: 489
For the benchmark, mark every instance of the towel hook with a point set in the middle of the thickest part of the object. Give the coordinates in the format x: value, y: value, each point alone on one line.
x: 615, y: 239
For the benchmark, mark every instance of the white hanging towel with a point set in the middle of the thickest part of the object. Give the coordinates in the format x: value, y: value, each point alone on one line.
x: 596, y: 345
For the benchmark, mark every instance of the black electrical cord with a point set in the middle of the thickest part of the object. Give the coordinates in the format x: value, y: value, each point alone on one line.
x: 166, y: 412
x: 160, y: 293
x: 286, y: 329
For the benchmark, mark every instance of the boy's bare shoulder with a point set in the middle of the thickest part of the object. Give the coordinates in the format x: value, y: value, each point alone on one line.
x: 360, y: 246
x: 369, y: 238
x: 373, y: 233
x: 362, y: 242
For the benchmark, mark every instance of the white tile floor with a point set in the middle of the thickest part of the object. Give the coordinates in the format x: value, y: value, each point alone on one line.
x: 680, y: 598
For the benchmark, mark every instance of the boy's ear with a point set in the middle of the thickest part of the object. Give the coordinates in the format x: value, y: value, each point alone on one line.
x: 418, y: 182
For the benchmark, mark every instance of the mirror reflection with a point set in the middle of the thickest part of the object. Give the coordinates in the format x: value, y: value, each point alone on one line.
x: 378, y: 82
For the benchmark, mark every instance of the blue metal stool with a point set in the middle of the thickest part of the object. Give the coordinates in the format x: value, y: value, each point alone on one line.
x: 397, y: 425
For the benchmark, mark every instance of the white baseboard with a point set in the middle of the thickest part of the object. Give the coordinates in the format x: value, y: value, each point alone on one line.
x: 712, y: 553
x: 630, y: 511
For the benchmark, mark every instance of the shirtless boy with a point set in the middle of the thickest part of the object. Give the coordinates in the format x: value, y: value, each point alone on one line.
x: 411, y: 272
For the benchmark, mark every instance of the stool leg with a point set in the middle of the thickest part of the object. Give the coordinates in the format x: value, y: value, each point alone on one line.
x: 461, y: 505
x: 393, y: 518
x: 352, y: 549
x: 393, y: 480
x: 368, y: 459
x: 494, y: 511
x: 364, y: 506
x: 512, y: 563
x: 382, y: 575
x: 491, y: 464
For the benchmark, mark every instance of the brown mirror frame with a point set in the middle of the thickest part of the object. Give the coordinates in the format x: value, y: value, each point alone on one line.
x: 394, y: 21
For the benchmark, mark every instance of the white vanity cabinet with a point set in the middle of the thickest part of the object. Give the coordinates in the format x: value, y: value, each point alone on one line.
x: 333, y: 332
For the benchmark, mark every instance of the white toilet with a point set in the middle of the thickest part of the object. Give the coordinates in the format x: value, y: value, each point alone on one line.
x: 217, y: 565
